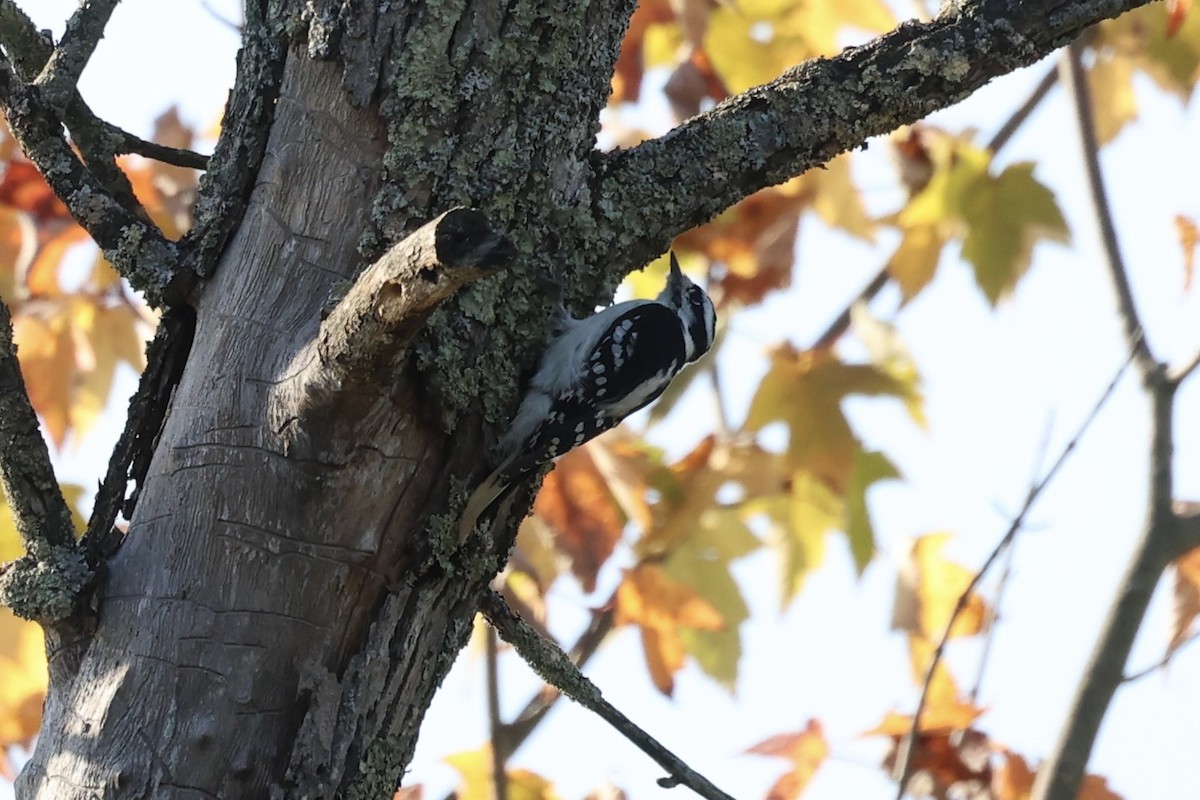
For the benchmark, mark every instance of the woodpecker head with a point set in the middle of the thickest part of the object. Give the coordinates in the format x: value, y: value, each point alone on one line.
x: 695, y: 311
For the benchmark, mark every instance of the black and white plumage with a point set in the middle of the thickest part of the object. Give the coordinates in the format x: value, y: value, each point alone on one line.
x: 595, y: 372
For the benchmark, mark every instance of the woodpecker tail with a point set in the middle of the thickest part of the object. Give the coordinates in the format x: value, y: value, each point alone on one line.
x: 482, y: 499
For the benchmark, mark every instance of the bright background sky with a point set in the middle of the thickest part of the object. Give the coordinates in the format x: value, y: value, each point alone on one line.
x: 994, y: 382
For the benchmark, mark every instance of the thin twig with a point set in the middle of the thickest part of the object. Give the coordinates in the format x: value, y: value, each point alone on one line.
x: 908, y: 746
x: 1073, y: 77
x: 1178, y: 374
x: 82, y: 33
x: 1018, y: 118
x: 126, y: 142
x: 499, y: 776
x: 554, y: 666
x: 1162, y: 662
x: 166, y: 356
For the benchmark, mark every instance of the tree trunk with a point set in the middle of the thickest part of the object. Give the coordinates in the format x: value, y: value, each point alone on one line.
x: 287, y: 598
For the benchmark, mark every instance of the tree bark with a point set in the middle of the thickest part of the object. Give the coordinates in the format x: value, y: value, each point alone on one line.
x: 287, y: 599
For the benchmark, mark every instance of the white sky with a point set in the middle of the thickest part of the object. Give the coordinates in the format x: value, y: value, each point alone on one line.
x: 994, y: 381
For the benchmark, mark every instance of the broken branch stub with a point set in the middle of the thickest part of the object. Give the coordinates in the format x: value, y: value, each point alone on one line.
x: 366, y: 336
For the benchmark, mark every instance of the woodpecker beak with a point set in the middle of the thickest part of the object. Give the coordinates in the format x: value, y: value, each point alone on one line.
x: 675, y: 280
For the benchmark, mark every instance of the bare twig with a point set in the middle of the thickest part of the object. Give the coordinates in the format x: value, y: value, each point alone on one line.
x: 83, y: 32
x: 1179, y: 374
x: 1162, y: 538
x: 125, y: 142
x: 1018, y: 118
x: 1076, y: 84
x: 908, y: 746
x: 499, y: 776
x: 554, y: 666
x: 1162, y: 662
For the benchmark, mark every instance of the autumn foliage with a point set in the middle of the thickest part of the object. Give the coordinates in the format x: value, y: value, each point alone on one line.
x: 792, y: 477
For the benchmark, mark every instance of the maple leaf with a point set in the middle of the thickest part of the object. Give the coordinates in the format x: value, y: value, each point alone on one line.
x: 754, y: 41
x: 806, y: 749
x: 22, y: 662
x: 575, y: 503
x: 1187, y: 598
x: 1157, y: 41
x: 631, y: 63
x: 1000, y: 218
x: 475, y: 769
x: 69, y: 350
x: 703, y: 562
x: 928, y: 588
x: 916, y: 258
x: 949, y: 758
x: 1013, y: 780
x: 661, y: 606
x: 805, y: 390
x: 1189, y: 236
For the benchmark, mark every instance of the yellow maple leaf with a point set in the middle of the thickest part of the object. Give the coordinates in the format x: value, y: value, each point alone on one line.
x: 999, y: 217
x: 929, y: 587
x: 23, y: 681
x: 660, y: 606
x: 805, y: 390
x: 475, y: 769
x: 753, y: 41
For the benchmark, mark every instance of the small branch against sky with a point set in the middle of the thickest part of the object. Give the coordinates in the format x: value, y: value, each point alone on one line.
x: 1160, y: 543
x: 134, y: 246
x: 225, y: 187
x: 817, y: 110
x: 495, y: 723
x: 555, y: 667
x: 82, y: 33
x: 908, y: 746
x: 1071, y: 67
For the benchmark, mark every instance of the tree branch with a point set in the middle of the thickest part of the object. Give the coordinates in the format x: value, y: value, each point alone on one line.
x: 514, y: 734
x: 908, y: 747
x: 553, y: 665
x: 1077, y: 88
x: 166, y: 357
x: 814, y: 112
x: 134, y: 246
x: 98, y: 141
x: 44, y: 583
x: 224, y: 190
x: 82, y: 33
x: 495, y: 725
x: 1163, y: 536
x: 365, y: 338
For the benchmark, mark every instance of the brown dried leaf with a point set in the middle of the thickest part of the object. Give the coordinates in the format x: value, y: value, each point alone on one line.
x: 806, y: 749
x: 576, y: 504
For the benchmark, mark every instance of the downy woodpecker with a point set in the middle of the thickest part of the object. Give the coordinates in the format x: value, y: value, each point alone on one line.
x: 595, y: 372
